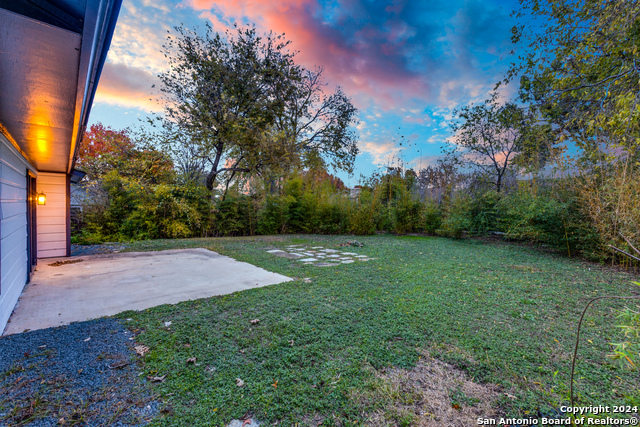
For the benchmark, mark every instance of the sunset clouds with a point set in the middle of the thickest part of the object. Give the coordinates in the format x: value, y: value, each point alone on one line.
x: 128, y: 87
x: 405, y: 64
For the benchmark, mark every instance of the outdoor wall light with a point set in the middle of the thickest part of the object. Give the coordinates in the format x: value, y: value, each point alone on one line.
x: 76, y: 176
x: 42, y: 198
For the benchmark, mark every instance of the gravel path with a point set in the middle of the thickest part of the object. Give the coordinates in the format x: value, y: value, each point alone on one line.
x: 84, y: 374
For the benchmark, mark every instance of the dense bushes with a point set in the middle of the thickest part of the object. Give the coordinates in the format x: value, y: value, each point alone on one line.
x: 133, y: 210
x: 545, y: 213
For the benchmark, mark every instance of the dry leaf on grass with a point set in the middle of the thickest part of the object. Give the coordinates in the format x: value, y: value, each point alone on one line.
x: 191, y: 360
x: 157, y: 379
x: 254, y: 321
x: 239, y: 382
x: 141, y: 349
x: 118, y: 365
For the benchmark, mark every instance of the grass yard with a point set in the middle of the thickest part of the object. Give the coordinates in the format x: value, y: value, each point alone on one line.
x: 357, y: 343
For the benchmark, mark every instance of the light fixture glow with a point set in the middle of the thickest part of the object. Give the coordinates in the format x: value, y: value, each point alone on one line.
x: 42, y: 198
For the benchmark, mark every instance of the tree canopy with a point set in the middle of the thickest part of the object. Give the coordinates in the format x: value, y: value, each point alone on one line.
x: 491, y: 135
x: 240, y: 104
x: 579, y: 66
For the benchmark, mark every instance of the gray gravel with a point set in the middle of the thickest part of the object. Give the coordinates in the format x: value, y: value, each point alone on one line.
x: 85, y: 373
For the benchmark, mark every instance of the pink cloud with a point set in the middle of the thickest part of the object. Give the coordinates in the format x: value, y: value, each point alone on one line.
x: 128, y: 87
x: 367, y: 67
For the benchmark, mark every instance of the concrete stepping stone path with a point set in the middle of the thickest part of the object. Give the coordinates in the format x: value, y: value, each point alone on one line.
x: 317, y: 255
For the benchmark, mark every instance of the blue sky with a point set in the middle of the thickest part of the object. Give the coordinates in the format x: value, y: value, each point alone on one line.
x: 405, y: 65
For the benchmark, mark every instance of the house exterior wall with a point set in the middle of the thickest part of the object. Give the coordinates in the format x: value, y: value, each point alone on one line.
x: 13, y: 227
x: 52, y: 217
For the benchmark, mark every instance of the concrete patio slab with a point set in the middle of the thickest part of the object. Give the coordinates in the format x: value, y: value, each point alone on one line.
x: 103, y: 285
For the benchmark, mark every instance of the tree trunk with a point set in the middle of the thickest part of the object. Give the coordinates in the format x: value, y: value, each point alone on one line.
x: 213, y: 174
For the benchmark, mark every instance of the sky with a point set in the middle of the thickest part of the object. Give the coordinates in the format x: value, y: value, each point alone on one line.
x: 406, y: 65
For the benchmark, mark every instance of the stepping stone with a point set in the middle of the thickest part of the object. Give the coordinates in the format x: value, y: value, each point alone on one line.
x: 294, y: 246
x: 308, y: 259
x: 362, y: 256
x: 317, y: 247
x: 239, y: 423
x: 344, y: 258
x: 325, y: 264
x: 290, y: 256
x: 333, y: 256
x: 275, y: 251
x: 331, y: 250
x: 347, y: 261
x: 349, y: 253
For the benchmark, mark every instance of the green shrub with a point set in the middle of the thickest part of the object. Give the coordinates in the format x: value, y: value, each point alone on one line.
x: 363, y: 213
x: 407, y: 212
x: 457, y: 219
x: 548, y: 216
x: 273, y: 216
x: 137, y: 211
x: 432, y: 217
x: 485, y: 212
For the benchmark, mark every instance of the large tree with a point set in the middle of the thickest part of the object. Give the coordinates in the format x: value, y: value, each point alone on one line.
x: 579, y: 64
x: 243, y: 105
x: 490, y: 136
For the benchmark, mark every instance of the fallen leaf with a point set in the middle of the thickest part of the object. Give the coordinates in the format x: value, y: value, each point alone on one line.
x: 187, y: 346
x: 167, y: 324
x: 157, y: 379
x: 247, y: 421
x: 141, y: 349
x: 510, y: 396
x: 239, y: 382
x: 88, y: 339
x: 62, y: 421
x: 275, y: 384
x: 118, y: 365
x: 254, y: 321
x: 291, y: 342
x: 191, y: 360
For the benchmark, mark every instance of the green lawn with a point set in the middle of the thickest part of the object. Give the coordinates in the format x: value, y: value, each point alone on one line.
x: 504, y: 314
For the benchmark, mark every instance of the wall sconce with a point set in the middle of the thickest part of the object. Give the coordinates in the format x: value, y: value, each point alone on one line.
x: 76, y: 176
x: 42, y: 198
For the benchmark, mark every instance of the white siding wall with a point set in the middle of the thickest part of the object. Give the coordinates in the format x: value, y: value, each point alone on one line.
x: 13, y: 207
x: 52, y: 217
